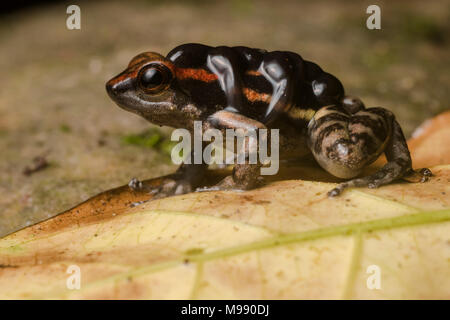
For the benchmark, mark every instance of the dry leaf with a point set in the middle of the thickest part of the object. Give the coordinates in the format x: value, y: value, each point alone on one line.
x: 286, y: 240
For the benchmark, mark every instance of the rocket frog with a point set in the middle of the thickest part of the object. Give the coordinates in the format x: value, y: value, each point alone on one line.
x: 253, y: 89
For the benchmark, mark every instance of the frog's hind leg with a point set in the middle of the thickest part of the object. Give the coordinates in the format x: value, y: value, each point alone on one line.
x: 345, y: 142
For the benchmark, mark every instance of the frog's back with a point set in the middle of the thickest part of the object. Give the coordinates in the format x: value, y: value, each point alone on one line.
x: 305, y: 77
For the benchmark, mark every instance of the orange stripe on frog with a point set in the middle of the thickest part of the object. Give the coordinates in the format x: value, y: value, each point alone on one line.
x: 253, y: 96
x: 195, y: 74
x: 253, y: 73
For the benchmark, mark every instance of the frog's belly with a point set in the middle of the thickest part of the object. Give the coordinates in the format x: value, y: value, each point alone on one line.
x: 292, y: 139
x: 293, y: 147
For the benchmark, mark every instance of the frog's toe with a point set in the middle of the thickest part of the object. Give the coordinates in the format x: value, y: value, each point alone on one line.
x: 336, y: 191
x: 135, y: 184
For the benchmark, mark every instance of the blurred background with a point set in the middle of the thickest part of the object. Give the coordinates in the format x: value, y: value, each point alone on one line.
x: 63, y: 140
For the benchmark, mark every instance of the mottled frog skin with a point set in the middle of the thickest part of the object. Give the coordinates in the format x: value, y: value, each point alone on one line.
x: 240, y: 87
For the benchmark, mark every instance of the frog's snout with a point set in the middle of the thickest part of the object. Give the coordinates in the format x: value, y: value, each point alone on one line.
x: 115, y: 87
x: 110, y: 88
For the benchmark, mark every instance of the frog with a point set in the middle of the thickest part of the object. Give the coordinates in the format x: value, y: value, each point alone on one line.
x: 238, y: 87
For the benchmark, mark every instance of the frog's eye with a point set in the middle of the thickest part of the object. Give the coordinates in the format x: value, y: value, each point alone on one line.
x: 154, y: 78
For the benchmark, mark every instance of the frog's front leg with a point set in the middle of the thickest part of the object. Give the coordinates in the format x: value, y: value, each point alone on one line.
x: 185, y: 180
x: 344, y: 143
x: 245, y: 175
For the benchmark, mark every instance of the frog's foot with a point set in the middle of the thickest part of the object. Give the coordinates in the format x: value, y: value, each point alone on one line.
x: 171, y: 187
x: 225, y: 184
x: 244, y: 177
x: 419, y: 175
x: 389, y: 173
x: 229, y: 183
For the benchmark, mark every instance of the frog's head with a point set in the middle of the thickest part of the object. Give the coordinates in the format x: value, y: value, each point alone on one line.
x: 147, y: 87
